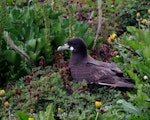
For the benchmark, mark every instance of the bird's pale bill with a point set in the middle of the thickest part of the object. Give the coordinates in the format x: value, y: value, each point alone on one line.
x: 65, y: 47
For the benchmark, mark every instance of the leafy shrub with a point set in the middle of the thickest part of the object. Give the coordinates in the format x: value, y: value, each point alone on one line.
x: 117, y: 15
x: 127, y: 16
x: 134, y: 59
x: 51, y: 88
x: 38, y: 34
x: 136, y: 55
x: 36, y: 91
x: 47, y: 115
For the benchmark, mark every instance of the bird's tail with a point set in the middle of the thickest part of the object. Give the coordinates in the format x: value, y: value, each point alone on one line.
x: 124, y: 84
x: 119, y: 83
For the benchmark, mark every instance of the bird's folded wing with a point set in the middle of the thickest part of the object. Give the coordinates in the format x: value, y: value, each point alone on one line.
x: 98, y: 75
x: 92, y: 73
x: 105, y: 76
x: 112, y: 66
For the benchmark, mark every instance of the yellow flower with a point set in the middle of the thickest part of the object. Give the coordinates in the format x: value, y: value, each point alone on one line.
x: 6, y: 103
x: 144, y: 21
x: 30, y: 118
x: 149, y: 11
x: 98, y: 104
x: 113, y: 36
x: 2, y: 92
x: 138, y: 15
x: 109, y: 40
x: 59, y: 109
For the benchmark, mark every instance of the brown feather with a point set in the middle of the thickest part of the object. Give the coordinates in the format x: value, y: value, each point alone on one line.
x: 84, y: 67
x: 97, y: 72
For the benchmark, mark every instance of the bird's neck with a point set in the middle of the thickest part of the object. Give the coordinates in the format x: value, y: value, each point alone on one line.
x: 80, y: 52
x: 78, y: 58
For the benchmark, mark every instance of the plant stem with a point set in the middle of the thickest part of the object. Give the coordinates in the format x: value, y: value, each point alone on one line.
x: 135, y: 53
x: 47, y: 27
x: 71, y: 18
x: 139, y: 24
x: 3, y: 107
x: 97, y: 116
x: 99, y: 22
x: 15, y: 48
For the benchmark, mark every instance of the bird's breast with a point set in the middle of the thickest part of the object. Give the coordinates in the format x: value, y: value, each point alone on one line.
x: 80, y: 72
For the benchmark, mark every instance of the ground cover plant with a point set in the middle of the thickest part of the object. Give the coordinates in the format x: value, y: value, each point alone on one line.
x: 35, y: 82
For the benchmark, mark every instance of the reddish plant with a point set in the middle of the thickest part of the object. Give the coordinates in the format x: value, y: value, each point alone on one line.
x: 60, y: 65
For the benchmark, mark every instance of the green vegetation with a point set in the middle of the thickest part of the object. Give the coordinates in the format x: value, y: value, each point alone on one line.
x: 35, y: 82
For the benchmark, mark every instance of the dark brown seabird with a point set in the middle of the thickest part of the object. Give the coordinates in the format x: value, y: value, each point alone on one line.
x: 84, y: 67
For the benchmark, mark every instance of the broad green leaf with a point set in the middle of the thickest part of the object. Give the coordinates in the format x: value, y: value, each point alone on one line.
x: 49, y: 112
x: 141, y: 98
x: 133, y: 76
x: 22, y: 116
x: 10, y: 56
x: 41, y: 115
x: 128, y: 107
x: 132, y: 29
x: 31, y: 44
x: 146, y: 52
x: 40, y: 44
x: 33, y: 55
x: 48, y: 115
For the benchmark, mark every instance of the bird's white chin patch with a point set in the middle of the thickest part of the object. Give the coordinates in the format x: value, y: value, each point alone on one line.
x: 71, y: 48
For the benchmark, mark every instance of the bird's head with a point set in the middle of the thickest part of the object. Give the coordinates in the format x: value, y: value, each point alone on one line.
x: 76, y: 45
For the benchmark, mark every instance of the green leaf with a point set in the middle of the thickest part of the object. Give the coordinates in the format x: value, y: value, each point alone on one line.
x: 40, y: 44
x: 33, y: 55
x: 41, y: 115
x: 11, y: 56
x: 128, y: 107
x: 22, y: 116
x: 132, y: 29
x: 48, y: 115
x: 49, y: 112
x: 133, y: 76
x: 31, y: 45
x: 146, y: 52
x: 142, y: 98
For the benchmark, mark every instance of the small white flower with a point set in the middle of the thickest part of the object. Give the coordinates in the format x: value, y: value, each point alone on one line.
x: 117, y: 56
x: 145, y: 77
